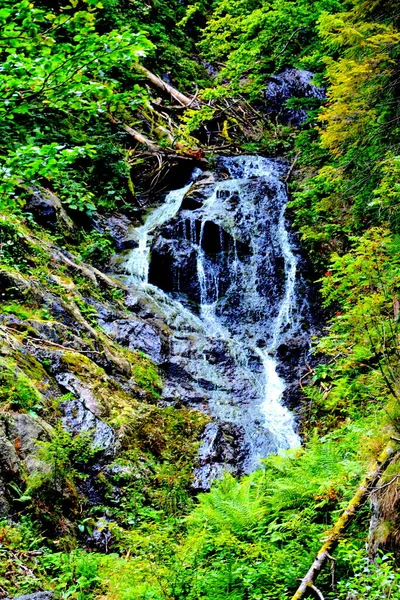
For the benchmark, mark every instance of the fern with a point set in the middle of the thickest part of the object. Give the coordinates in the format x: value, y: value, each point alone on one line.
x: 231, y: 504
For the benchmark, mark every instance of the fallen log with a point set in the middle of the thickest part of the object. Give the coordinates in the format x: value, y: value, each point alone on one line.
x: 361, y: 495
x: 163, y: 85
x: 182, y: 152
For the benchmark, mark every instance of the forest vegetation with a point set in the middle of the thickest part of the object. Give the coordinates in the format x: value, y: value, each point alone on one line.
x: 83, y: 122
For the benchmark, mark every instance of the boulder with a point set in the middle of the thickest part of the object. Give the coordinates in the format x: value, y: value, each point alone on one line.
x: 48, y: 211
x: 173, y: 267
x: 223, y: 449
x: 23, y: 432
x: 136, y: 334
x: 18, y: 451
x: 118, y: 227
x: 78, y: 419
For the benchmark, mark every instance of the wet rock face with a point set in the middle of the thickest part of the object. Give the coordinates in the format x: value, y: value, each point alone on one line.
x: 241, y: 231
x: 291, y: 83
x: 77, y: 418
x: 19, y: 434
x: 136, y: 331
x: 223, y: 449
x: 173, y: 267
x: 117, y: 226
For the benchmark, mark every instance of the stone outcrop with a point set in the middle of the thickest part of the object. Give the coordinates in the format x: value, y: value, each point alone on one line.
x: 291, y: 83
x: 19, y: 434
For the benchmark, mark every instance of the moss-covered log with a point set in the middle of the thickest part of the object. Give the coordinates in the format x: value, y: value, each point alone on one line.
x: 344, y: 521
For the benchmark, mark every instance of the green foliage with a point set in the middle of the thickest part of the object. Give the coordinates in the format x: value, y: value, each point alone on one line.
x: 64, y: 71
x: 242, y: 532
x: 231, y: 504
x: 74, y: 574
x: 350, y: 170
x: 258, y: 38
x: 374, y: 580
x: 97, y: 248
x: 54, y: 487
x: 362, y: 342
x: 15, y: 251
x: 17, y: 391
x: 57, y: 67
x: 24, y: 312
x: 20, y: 546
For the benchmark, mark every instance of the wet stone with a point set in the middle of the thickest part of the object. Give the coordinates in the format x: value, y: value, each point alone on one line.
x: 49, y: 595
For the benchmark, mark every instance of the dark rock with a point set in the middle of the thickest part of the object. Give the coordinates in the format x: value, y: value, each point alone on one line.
x: 19, y: 434
x: 49, y: 595
x: 223, y: 449
x: 78, y: 418
x: 48, y: 211
x: 101, y: 537
x: 13, y: 286
x: 291, y: 83
x: 23, y: 431
x: 137, y: 334
x: 199, y: 191
x: 173, y: 267
x: 84, y: 393
x: 118, y: 226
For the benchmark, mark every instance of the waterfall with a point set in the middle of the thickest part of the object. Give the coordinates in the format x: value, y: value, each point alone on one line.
x: 218, y: 264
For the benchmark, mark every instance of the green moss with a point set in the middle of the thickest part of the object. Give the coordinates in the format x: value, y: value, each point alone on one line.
x: 24, y: 312
x: 17, y: 391
x: 145, y: 373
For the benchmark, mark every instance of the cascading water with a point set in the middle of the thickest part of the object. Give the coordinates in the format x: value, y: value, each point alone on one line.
x: 217, y: 264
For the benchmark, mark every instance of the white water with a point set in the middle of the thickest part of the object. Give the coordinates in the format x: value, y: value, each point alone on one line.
x: 138, y: 261
x: 250, y: 206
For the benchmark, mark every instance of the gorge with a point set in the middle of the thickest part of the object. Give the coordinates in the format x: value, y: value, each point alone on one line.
x: 199, y: 300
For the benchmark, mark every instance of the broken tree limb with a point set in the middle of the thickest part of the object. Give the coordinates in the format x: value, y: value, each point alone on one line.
x: 163, y: 85
x: 139, y: 137
x: 344, y: 521
x: 317, y: 592
x: 142, y: 139
x: 181, y: 153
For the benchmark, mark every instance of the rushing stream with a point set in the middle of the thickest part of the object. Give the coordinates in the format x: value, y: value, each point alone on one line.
x: 217, y: 263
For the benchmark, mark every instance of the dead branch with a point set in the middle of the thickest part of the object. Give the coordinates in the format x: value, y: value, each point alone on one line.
x: 142, y: 139
x: 318, y: 593
x: 385, y: 485
x: 162, y: 85
x: 310, y: 370
x: 291, y: 167
x: 344, y: 521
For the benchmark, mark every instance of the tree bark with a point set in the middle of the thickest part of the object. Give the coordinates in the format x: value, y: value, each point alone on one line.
x: 162, y: 85
x: 142, y: 139
x: 344, y: 521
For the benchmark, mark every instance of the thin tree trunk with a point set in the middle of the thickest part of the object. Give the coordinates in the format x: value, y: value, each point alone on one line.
x: 162, y: 85
x: 344, y: 521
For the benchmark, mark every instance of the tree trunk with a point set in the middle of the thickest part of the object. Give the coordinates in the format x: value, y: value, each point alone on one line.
x: 344, y: 521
